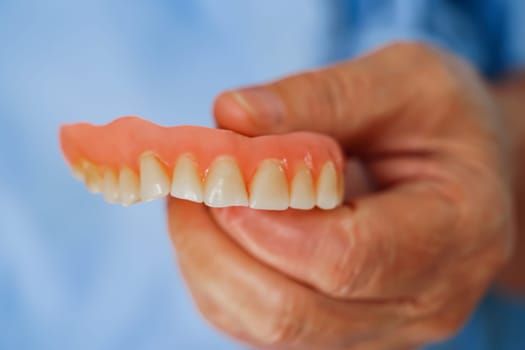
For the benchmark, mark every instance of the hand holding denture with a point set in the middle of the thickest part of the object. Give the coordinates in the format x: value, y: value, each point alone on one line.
x: 394, y: 268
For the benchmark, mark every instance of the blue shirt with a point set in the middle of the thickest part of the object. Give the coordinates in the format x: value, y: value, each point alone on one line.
x: 77, y: 273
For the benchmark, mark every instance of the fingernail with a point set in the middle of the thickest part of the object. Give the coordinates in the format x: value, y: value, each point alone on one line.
x: 262, y: 104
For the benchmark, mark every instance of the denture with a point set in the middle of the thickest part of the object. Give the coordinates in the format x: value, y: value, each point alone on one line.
x: 132, y: 160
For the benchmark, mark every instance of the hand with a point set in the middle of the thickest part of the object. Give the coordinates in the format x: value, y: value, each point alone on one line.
x: 398, y: 266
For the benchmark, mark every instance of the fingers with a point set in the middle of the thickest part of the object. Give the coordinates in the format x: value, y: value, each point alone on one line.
x: 364, y: 251
x: 256, y: 304
x: 352, y: 101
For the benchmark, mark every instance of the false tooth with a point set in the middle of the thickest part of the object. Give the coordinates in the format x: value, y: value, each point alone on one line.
x: 186, y: 181
x: 129, y: 187
x: 224, y: 184
x: 154, y: 182
x: 302, y: 192
x: 110, y: 186
x: 78, y: 171
x: 269, y: 187
x: 92, y: 178
x: 327, y: 187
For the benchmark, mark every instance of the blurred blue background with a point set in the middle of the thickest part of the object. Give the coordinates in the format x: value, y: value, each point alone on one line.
x: 77, y: 273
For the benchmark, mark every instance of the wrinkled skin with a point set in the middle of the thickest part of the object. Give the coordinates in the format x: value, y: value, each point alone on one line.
x: 407, y: 258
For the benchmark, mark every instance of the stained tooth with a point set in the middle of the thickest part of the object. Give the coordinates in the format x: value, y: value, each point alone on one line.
x: 92, y: 178
x: 186, y: 181
x: 269, y: 187
x: 110, y: 186
x: 154, y: 182
x: 224, y: 184
x: 129, y: 187
x: 327, y: 187
x: 302, y: 191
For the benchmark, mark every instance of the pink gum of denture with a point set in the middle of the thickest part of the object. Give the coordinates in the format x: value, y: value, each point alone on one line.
x: 122, y: 142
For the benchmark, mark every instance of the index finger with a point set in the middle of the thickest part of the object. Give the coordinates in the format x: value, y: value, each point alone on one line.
x: 346, y: 100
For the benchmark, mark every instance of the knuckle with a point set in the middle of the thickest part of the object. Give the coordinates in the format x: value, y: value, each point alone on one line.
x: 439, y: 73
x: 429, y: 64
x: 415, y: 53
x: 419, y: 51
x: 435, y: 77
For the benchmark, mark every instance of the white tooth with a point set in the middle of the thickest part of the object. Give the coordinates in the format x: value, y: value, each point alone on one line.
x: 110, y: 186
x: 129, y: 187
x: 328, y: 189
x: 92, y: 178
x: 78, y: 172
x: 154, y: 182
x: 302, y: 192
x: 224, y: 184
x: 186, y: 181
x: 269, y: 187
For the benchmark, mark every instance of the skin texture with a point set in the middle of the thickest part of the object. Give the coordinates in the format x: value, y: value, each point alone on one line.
x: 404, y: 262
x: 509, y: 93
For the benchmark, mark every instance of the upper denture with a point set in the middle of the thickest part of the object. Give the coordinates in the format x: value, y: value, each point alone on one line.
x: 132, y: 160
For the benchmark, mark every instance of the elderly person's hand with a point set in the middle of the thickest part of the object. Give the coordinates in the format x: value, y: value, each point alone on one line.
x: 427, y: 226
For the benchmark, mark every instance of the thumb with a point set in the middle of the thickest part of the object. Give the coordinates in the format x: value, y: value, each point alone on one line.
x: 345, y: 101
